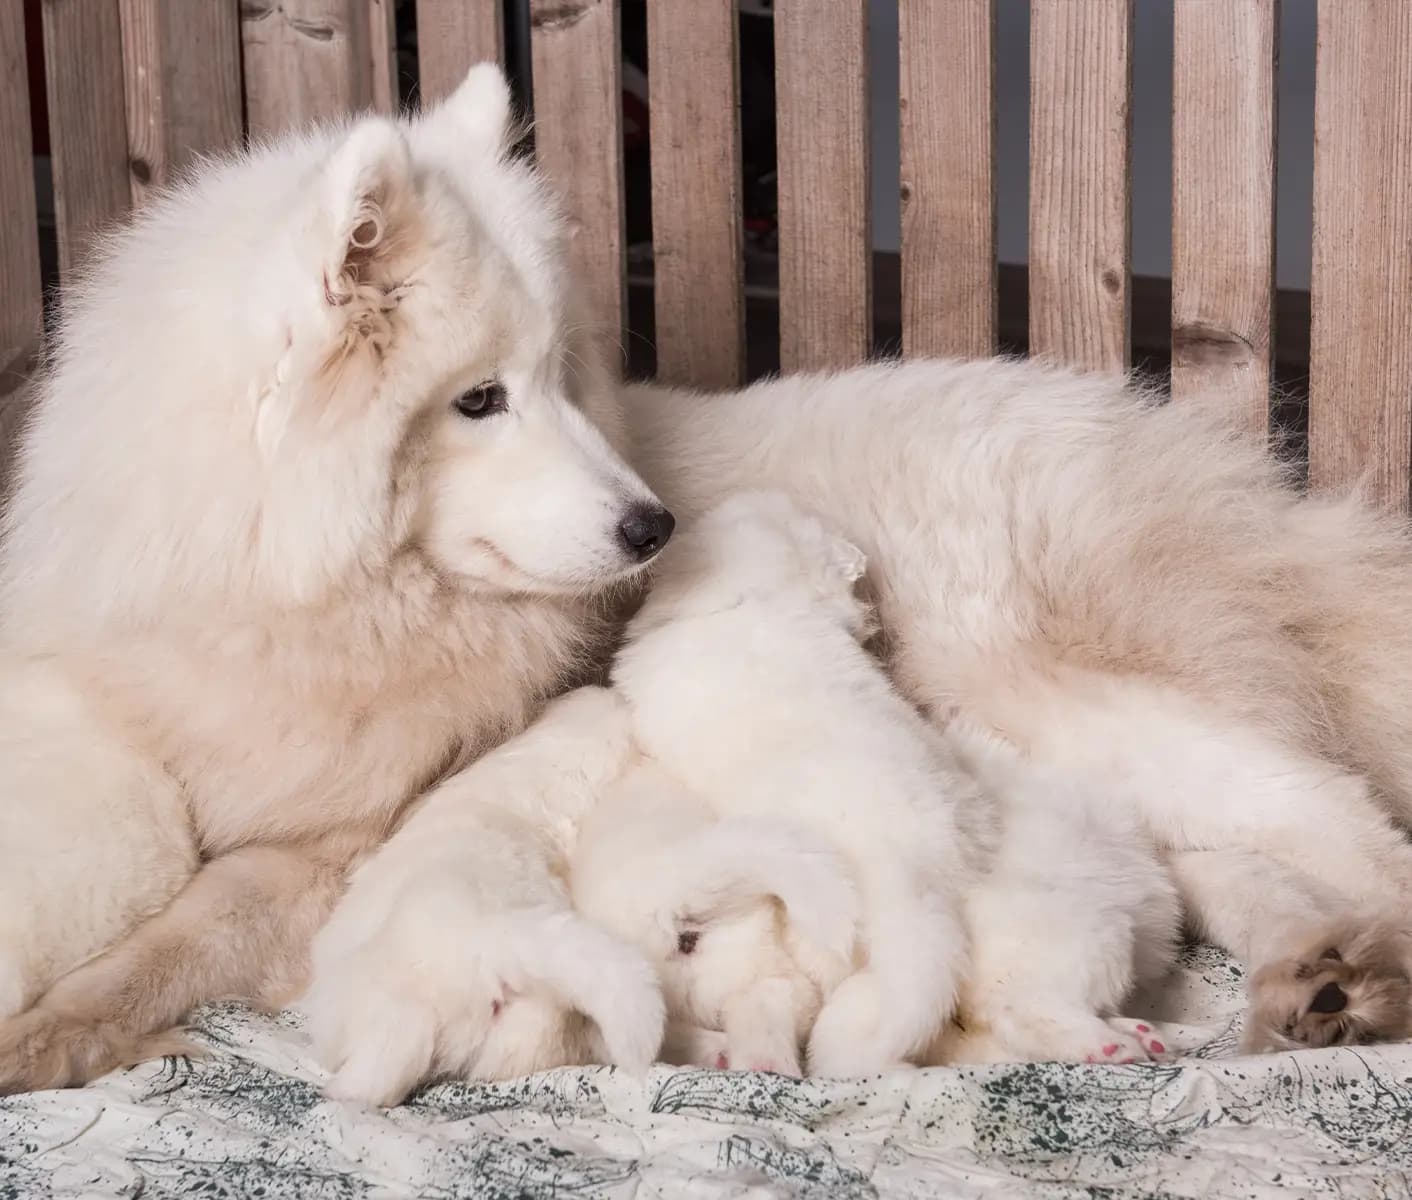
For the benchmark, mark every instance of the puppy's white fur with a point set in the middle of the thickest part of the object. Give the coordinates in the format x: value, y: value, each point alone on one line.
x: 746, y: 680
x: 495, y: 975
x: 749, y: 920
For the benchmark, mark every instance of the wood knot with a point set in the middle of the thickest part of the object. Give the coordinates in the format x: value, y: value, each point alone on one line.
x: 141, y: 170
x: 1112, y: 282
x: 561, y: 15
x: 1197, y: 344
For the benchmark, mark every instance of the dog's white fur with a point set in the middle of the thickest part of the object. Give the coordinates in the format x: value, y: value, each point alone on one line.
x: 269, y: 588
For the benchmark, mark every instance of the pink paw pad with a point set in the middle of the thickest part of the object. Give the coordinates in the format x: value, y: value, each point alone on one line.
x: 722, y: 1062
x: 1144, y: 1028
x: 1110, y: 1050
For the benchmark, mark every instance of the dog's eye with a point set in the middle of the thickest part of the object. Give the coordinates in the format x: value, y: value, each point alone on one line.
x: 686, y: 942
x: 481, y: 400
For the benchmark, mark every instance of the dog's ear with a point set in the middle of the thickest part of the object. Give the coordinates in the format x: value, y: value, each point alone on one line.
x: 477, y: 118
x: 368, y: 208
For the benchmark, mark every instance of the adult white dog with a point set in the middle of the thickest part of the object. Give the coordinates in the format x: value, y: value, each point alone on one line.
x: 323, y: 488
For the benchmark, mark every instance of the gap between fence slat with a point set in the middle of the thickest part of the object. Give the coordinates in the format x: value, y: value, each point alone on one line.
x: 825, y: 217
x: 181, y: 68
x: 19, y: 232
x: 1223, y: 202
x: 83, y: 66
x: 948, y: 177
x: 305, y: 60
x: 452, y: 35
x: 696, y: 201
x: 1080, y: 161
x: 1360, y: 371
x: 578, y: 134
x: 382, y: 53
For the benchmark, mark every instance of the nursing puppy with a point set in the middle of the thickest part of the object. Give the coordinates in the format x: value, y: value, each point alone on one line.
x: 745, y: 679
x: 533, y: 985
x: 750, y: 921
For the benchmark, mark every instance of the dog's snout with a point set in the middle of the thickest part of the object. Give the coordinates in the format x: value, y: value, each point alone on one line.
x: 645, y: 530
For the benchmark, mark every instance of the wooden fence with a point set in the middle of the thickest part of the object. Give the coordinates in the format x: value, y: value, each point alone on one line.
x: 136, y: 87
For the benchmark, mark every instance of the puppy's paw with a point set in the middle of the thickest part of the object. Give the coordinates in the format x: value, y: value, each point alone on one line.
x: 775, y: 1053
x: 696, y: 1046
x: 1150, y: 1038
x: 1347, y: 987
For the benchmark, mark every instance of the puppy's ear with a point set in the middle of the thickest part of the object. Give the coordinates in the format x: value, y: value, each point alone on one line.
x: 368, y: 209
x: 476, y: 118
x: 849, y: 561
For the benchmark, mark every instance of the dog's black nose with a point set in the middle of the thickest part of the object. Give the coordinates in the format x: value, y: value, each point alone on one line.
x: 1329, y: 999
x: 645, y: 530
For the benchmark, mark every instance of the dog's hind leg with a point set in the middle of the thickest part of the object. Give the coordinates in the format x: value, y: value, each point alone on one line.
x: 241, y: 928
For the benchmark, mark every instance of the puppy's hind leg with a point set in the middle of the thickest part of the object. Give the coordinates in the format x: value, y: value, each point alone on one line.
x: 241, y: 927
x: 887, y: 1014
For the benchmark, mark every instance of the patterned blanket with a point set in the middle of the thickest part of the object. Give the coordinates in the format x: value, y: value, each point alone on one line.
x: 248, y: 1121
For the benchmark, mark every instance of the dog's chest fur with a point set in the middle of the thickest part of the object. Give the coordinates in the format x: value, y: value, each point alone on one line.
x: 313, y: 725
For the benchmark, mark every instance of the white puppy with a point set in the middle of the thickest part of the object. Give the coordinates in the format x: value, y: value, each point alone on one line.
x: 750, y: 921
x: 746, y: 680
x: 497, y: 975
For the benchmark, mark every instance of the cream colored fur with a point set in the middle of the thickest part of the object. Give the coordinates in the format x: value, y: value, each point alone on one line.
x: 265, y: 576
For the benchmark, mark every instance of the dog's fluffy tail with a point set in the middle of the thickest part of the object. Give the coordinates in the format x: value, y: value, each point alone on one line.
x: 589, y: 970
x: 741, y: 859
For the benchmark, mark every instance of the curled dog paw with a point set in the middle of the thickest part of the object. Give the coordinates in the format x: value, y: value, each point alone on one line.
x: 44, y: 1048
x: 1349, y: 986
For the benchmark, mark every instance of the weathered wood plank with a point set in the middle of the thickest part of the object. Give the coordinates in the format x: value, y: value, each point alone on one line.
x: 1223, y: 202
x: 452, y: 35
x: 578, y: 132
x: 382, y: 51
x: 948, y: 177
x: 1360, y: 372
x: 696, y: 201
x: 83, y: 66
x: 825, y: 216
x: 181, y: 69
x: 305, y: 60
x: 20, y: 299
x: 1080, y: 98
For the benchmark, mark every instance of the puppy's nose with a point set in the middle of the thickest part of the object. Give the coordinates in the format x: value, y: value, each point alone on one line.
x: 1329, y: 999
x: 645, y: 530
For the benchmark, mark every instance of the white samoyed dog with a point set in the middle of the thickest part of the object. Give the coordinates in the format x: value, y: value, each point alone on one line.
x: 324, y: 490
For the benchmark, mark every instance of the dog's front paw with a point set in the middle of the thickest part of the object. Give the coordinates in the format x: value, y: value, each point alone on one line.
x: 1347, y: 987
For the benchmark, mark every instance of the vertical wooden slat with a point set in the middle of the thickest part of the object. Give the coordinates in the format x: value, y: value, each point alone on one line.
x: 696, y: 202
x: 1360, y: 370
x: 83, y: 65
x: 578, y: 134
x: 825, y: 215
x: 1080, y: 90
x: 382, y: 50
x: 1223, y: 202
x: 948, y: 177
x: 181, y: 67
x: 19, y: 233
x: 305, y: 60
x: 452, y: 35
